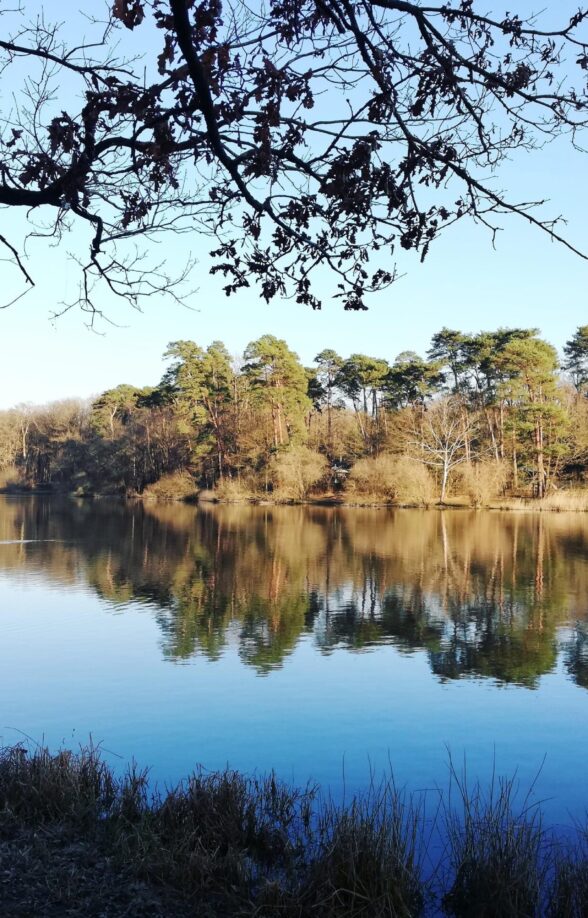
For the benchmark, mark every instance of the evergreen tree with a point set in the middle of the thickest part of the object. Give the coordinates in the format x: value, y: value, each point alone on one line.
x: 201, y: 382
x: 576, y: 358
x: 279, y: 384
x: 412, y: 380
x: 328, y: 366
x: 537, y: 419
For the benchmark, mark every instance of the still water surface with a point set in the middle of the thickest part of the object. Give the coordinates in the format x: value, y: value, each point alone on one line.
x: 322, y: 643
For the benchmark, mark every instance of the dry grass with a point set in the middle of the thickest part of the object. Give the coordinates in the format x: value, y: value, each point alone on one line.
x: 296, y: 471
x: 569, y: 888
x: 236, y: 490
x: 481, y: 482
x: 566, y: 500
x: 389, y: 479
x: 175, y: 486
x: 76, y: 840
x: 10, y: 478
x: 216, y: 845
x: 368, y: 858
x: 44, y: 788
x: 570, y: 501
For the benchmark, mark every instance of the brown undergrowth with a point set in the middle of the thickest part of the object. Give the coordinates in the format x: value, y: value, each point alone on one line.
x: 77, y: 840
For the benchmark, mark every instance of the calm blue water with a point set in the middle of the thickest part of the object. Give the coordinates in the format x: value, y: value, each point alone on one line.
x: 323, y: 644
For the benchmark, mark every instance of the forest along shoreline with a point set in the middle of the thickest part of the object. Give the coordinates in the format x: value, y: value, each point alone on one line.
x: 494, y: 419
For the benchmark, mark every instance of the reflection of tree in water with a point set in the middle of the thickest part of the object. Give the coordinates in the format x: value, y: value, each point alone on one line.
x: 400, y: 617
x: 576, y: 655
x: 481, y: 593
x: 270, y: 632
x: 484, y: 640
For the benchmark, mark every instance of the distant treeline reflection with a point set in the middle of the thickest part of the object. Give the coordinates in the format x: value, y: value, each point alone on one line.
x: 484, y: 594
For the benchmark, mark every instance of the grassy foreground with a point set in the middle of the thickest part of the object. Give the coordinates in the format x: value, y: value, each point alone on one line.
x: 76, y: 840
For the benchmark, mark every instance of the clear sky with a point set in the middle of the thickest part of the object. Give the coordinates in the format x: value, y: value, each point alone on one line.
x: 465, y: 284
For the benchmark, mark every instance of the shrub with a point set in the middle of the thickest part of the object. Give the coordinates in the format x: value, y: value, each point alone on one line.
x: 372, y: 478
x: 414, y: 483
x: 174, y: 486
x: 237, y: 489
x: 10, y: 478
x: 482, y: 481
x: 296, y: 470
x: 389, y: 478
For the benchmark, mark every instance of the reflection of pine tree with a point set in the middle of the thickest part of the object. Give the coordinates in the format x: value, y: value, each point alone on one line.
x: 576, y: 655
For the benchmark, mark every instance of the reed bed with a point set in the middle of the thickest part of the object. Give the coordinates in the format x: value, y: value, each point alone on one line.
x: 571, y: 501
x: 77, y: 840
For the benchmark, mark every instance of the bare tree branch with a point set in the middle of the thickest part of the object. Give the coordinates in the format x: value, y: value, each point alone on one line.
x: 299, y: 136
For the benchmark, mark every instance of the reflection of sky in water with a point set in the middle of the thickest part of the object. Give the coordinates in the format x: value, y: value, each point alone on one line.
x: 74, y: 663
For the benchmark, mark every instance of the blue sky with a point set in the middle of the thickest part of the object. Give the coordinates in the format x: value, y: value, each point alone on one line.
x: 527, y: 281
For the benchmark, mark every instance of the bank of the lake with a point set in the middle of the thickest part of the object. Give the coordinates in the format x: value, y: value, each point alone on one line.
x: 76, y: 839
x: 558, y: 501
x: 186, y: 491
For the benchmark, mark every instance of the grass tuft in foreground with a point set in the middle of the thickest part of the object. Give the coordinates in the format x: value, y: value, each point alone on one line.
x: 77, y: 840
x: 497, y: 853
x: 216, y: 845
x: 42, y: 788
x: 569, y: 889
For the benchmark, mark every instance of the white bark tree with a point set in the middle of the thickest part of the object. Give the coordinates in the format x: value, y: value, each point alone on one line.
x: 441, y: 437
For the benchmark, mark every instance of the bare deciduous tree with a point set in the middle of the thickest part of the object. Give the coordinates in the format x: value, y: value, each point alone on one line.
x: 440, y: 437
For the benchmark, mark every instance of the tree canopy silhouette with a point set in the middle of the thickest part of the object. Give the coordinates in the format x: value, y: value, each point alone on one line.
x: 299, y: 134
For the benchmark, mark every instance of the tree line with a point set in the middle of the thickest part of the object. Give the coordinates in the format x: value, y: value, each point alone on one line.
x: 482, y: 415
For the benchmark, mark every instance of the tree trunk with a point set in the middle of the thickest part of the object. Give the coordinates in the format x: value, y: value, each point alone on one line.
x: 329, y: 425
x: 280, y: 426
x: 275, y: 425
x: 540, y: 459
x: 502, y: 430
x: 466, y: 438
x: 360, y: 424
x: 444, y: 477
x: 491, y: 432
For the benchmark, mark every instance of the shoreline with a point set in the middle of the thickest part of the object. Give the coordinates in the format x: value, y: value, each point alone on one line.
x: 558, y: 502
x: 76, y: 839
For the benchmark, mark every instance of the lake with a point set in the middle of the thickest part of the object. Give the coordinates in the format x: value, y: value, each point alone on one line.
x: 327, y: 644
